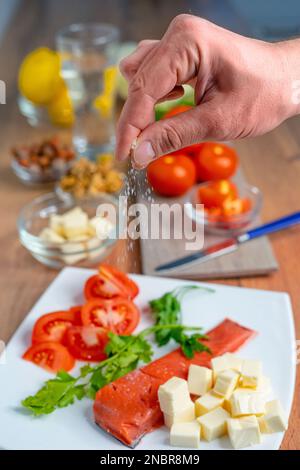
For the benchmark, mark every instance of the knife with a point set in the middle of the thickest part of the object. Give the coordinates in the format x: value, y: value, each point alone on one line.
x: 231, y: 244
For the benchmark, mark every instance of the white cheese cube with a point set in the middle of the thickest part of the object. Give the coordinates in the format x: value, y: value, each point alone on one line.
x: 244, y: 402
x: 183, y: 416
x: 218, y: 365
x: 56, y: 224
x: 51, y: 236
x: 214, y: 424
x: 233, y: 362
x: 199, y: 380
x: 226, y: 383
x: 264, y: 386
x: 244, y: 432
x: 173, y: 395
x: 185, y: 434
x: 251, y: 373
x: 75, y: 223
x: 208, y: 402
x: 101, y: 227
x: 274, y: 420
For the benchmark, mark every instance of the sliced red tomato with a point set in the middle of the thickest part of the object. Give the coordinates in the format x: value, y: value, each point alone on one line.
x: 76, y: 311
x: 214, y: 193
x: 87, y: 343
x: 109, y: 283
x: 50, y: 355
x: 119, y: 315
x: 53, y: 326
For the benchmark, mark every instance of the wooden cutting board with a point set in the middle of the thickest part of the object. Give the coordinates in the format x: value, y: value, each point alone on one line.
x: 253, y: 258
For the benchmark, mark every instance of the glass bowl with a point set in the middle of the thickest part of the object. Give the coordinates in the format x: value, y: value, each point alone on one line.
x: 34, y: 176
x: 35, y: 216
x: 232, y: 225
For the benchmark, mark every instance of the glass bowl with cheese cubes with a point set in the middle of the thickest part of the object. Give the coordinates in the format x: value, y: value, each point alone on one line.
x: 232, y: 398
x: 63, y: 232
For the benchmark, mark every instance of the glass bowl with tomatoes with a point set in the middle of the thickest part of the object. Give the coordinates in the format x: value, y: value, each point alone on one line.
x: 225, y: 207
x: 35, y: 227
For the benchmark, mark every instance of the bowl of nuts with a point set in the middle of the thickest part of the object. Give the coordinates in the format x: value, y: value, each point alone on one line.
x: 42, y: 162
x: 86, y: 178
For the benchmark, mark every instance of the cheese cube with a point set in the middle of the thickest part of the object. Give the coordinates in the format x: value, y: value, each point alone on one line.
x: 233, y: 362
x: 218, y: 365
x: 208, y: 402
x: 185, y: 434
x: 244, y: 432
x: 244, y: 402
x: 274, y: 420
x: 214, y: 424
x: 182, y: 416
x: 75, y: 223
x: 226, y: 383
x: 251, y: 373
x: 199, y: 380
x: 173, y: 395
x: 225, y: 362
x: 51, y: 236
x: 264, y: 386
x: 56, y: 224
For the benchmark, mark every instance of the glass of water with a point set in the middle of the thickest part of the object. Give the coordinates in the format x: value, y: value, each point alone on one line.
x: 88, y: 54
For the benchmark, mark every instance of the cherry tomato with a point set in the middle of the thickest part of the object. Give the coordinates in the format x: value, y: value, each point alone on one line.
x: 215, y: 161
x: 189, y: 151
x: 236, y: 207
x: 171, y: 175
x: 177, y: 110
x: 87, y: 343
x: 118, y: 315
x: 50, y: 355
x: 214, y: 194
x: 53, y: 326
x: 108, y: 283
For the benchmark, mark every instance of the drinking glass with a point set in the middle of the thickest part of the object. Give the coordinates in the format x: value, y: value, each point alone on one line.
x: 88, y: 54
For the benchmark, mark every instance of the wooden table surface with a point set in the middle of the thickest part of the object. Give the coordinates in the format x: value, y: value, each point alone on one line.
x: 271, y: 162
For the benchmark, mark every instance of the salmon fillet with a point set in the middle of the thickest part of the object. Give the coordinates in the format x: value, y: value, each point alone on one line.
x: 128, y: 408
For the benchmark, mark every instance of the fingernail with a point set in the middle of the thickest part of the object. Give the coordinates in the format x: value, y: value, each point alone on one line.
x: 143, y: 154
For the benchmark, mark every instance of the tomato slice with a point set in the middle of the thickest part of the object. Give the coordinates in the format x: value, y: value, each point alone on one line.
x: 119, y: 315
x: 215, y: 193
x: 177, y: 110
x: 109, y: 283
x: 50, y: 356
x: 87, y: 343
x: 53, y: 326
x: 76, y: 311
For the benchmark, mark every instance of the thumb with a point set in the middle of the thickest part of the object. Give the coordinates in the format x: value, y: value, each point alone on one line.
x: 167, y: 135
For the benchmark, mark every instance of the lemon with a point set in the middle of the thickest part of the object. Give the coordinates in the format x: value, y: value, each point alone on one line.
x: 39, y: 75
x: 105, y: 101
x: 60, y: 109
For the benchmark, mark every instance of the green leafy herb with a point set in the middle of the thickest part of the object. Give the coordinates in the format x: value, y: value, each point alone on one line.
x: 167, y: 311
x: 124, y: 354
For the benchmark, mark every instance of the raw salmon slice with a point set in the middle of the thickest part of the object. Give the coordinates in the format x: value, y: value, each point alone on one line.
x: 128, y: 408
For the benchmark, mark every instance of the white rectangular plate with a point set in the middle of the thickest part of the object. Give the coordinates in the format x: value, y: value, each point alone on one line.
x: 269, y: 313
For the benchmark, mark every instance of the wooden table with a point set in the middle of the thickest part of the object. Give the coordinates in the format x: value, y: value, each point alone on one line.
x: 272, y: 162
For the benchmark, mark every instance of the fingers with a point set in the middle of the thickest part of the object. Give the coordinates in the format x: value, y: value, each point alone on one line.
x: 130, y: 64
x: 154, y: 80
x: 168, y: 135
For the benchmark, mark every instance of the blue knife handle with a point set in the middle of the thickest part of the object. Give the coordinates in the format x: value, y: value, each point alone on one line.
x: 275, y: 226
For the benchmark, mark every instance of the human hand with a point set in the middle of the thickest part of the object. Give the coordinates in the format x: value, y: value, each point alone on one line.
x: 243, y: 88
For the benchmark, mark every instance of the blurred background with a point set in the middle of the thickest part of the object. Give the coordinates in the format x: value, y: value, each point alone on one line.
x: 268, y: 19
